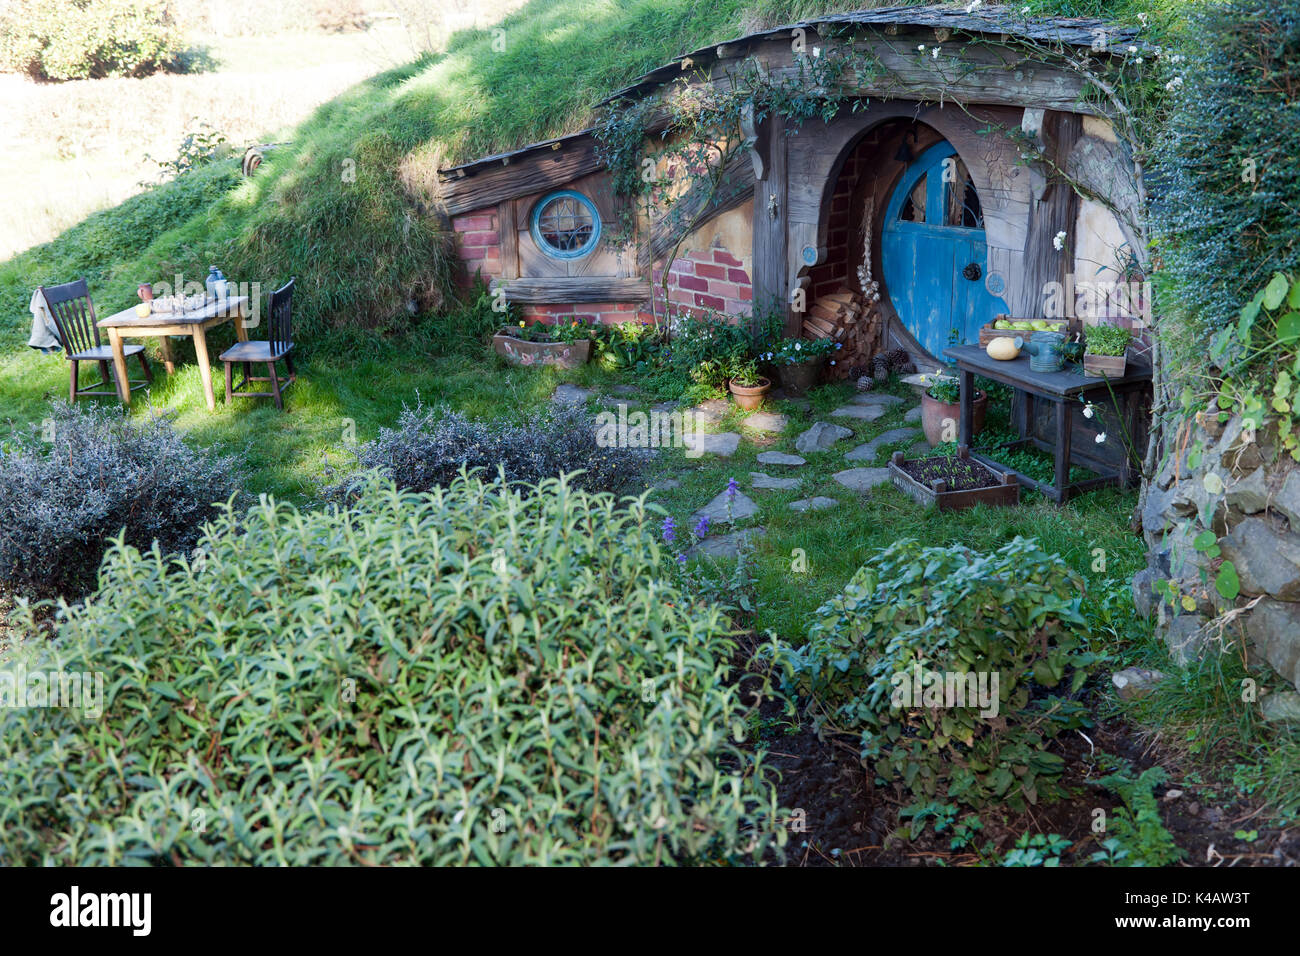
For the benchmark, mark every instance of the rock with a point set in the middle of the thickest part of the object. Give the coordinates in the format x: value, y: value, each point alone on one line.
x: 862, y: 479
x: 913, y: 414
x: 1267, y: 562
x: 741, y: 506
x: 1185, y: 639
x: 664, y: 407
x: 817, y: 503
x: 766, y: 421
x: 725, y: 545
x: 1274, y: 629
x: 1248, y: 495
x: 1134, y: 683
x: 625, y: 390
x: 571, y: 394
x: 820, y: 437
x: 666, y: 484
x: 722, y: 444
x: 780, y: 458
x: 1144, y: 594
x: 1281, y: 705
x: 875, y: 398
x: 711, y: 412
x: 759, y: 479
x: 1173, y: 469
x: 871, y: 449
x: 866, y: 413
x: 1158, y: 511
x: 1234, y: 452
x: 1287, y: 500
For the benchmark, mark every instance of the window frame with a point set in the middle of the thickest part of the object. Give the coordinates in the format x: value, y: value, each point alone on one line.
x: 548, y: 250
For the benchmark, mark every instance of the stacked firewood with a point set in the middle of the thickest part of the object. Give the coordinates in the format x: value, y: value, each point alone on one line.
x: 847, y: 318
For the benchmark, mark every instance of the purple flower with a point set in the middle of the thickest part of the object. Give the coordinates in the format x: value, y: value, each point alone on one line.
x: 670, y: 529
x: 702, y: 528
x: 732, y: 488
x: 681, y: 558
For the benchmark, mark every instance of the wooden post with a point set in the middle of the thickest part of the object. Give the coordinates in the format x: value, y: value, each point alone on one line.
x: 771, y: 281
x: 1064, y: 420
x: 967, y: 401
x: 1055, y: 211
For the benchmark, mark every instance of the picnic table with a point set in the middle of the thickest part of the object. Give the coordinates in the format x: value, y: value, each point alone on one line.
x: 193, y: 322
x: 1062, y: 390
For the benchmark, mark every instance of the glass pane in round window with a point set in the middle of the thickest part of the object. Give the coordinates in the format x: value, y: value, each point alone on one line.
x: 566, y: 224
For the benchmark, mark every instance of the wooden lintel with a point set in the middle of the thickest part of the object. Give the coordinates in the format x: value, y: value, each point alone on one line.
x: 560, y: 290
x: 537, y: 172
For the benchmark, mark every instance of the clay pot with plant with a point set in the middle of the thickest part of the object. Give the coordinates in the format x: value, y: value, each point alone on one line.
x: 801, y: 362
x: 747, y: 387
x: 941, y: 411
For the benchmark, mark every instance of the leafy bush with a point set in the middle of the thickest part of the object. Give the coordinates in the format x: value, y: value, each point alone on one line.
x: 430, y: 447
x: 1138, y: 835
x: 88, y: 474
x: 1228, y: 172
x: 87, y: 39
x: 915, y: 612
x: 1105, y: 339
x: 476, y: 675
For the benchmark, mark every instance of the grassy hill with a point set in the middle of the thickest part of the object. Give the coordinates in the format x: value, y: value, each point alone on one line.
x: 364, y: 250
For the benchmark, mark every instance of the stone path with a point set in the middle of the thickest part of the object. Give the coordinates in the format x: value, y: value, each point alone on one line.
x: 766, y: 421
x: 781, y: 458
x: 742, y: 506
x: 875, y: 398
x: 711, y: 412
x: 913, y: 414
x: 862, y: 479
x: 821, y: 437
x: 866, y: 413
x: 725, y: 545
x: 571, y: 394
x: 760, y: 479
x: 818, y: 503
x: 722, y: 444
x: 871, y: 449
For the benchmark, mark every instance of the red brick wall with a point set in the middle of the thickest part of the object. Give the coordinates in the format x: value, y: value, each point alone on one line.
x: 478, y: 241
x: 707, y: 279
x: 842, y: 250
x: 606, y: 312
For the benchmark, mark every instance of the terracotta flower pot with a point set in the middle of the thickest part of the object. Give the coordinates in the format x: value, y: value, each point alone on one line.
x: 797, y: 379
x: 934, y: 415
x: 749, y: 397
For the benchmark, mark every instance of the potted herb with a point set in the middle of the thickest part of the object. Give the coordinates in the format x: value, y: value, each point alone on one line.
x: 800, y: 362
x: 566, y: 344
x: 941, y: 410
x: 1104, y: 350
x: 745, y: 384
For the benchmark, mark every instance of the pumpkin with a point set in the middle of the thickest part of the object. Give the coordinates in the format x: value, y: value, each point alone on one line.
x: 1003, y: 348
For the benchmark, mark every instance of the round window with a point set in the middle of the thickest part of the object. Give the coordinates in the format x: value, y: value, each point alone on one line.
x: 566, y: 225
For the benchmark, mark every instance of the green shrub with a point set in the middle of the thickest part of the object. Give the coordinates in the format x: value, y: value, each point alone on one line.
x: 912, y: 610
x: 1105, y: 339
x: 470, y: 676
x: 84, y: 476
x: 1227, y: 183
x: 87, y: 39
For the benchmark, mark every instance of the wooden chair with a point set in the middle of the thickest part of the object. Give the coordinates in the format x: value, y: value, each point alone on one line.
x: 279, y: 346
x: 74, y: 317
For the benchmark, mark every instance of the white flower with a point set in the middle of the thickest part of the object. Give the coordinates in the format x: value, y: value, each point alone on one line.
x: 1138, y: 61
x: 972, y: 6
x: 1173, y: 84
x: 1132, y: 49
x: 935, y: 52
x: 1100, y: 438
x: 921, y: 47
x: 1059, y: 241
x: 817, y: 51
x: 1087, y: 410
x: 832, y: 361
x: 798, y: 347
x: 1142, y: 19
x: 1024, y: 9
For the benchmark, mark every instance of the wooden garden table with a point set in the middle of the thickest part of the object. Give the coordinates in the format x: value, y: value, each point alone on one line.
x: 193, y: 322
x: 1063, y: 389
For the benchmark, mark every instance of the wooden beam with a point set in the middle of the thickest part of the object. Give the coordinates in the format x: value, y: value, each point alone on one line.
x: 509, y: 239
x: 545, y: 170
x: 770, y: 274
x: 560, y: 290
x: 1054, y: 211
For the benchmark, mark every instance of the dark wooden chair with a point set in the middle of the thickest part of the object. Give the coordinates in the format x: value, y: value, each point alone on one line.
x: 74, y: 317
x: 279, y: 346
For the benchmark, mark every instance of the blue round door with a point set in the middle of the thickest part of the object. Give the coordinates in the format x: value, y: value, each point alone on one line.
x: 933, y: 253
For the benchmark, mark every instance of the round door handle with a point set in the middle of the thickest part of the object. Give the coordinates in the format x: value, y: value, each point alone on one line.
x: 972, y: 271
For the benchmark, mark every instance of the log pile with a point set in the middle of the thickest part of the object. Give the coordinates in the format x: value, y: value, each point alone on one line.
x: 847, y: 318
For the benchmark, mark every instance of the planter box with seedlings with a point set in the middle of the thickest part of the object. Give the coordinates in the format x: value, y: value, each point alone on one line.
x: 1104, y: 350
x: 562, y: 344
x: 953, y: 483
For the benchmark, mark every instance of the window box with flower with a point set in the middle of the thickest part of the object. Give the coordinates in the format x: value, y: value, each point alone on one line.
x: 566, y: 344
x: 1105, y: 350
